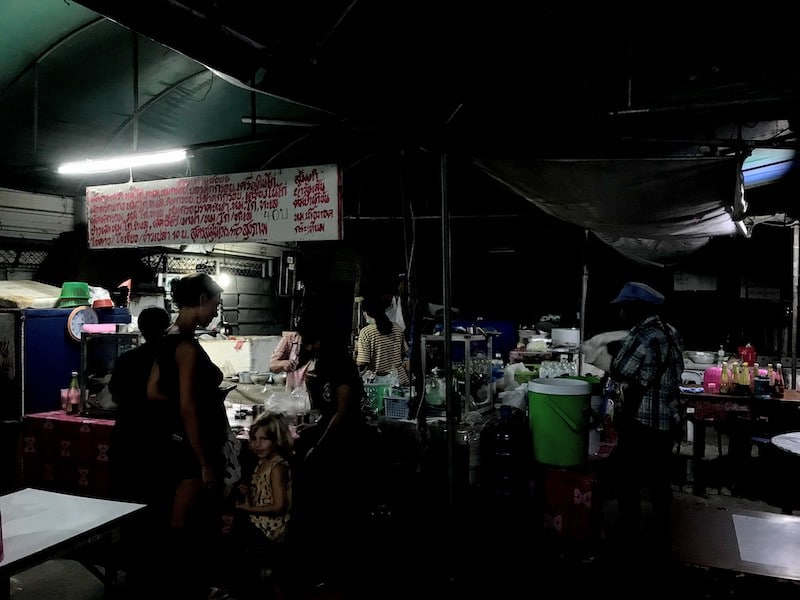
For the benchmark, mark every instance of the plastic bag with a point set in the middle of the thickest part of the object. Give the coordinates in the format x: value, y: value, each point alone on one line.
x: 435, y: 390
x: 392, y: 379
x: 595, y: 349
x: 290, y: 404
x: 233, y: 469
x: 395, y: 312
x: 508, y: 374
x: 518, y: 397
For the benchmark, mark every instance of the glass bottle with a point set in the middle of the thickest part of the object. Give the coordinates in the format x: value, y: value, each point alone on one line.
x: 504, y: 449
x: 74, y: 404
x: 724, y: 379
x: 779, y: 387
x: 753, y: 375
x: 744, y: 375
x: 771, y: 375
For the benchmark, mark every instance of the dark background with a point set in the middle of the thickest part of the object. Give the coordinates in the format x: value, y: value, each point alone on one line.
x: 514, y: 262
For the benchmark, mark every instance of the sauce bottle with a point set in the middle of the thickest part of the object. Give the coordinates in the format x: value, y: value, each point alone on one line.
x: 779, y: 387
x: 724, y: 379
x: 74, y: 405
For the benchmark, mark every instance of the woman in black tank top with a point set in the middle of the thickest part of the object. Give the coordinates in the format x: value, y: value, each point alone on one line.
x: 187, y: 379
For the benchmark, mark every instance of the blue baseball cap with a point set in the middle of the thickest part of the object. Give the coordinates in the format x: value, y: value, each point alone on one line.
x: 634, y: 291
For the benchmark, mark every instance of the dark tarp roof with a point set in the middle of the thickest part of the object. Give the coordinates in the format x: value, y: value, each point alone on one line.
x: 363, y: 84
x: 623, y: 200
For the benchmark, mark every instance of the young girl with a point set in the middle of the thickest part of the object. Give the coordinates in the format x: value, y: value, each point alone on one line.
x: 267, y: 501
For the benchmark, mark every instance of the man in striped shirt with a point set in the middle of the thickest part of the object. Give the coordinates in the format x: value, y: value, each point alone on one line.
x: 381, y: 346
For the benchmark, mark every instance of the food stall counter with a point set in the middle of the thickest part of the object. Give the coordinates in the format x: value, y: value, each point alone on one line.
x: 65, y: 453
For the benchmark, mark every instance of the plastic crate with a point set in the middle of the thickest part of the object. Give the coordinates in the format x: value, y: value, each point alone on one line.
x: 435, y: 412
x: 396, y: 407
x: 374, y: 394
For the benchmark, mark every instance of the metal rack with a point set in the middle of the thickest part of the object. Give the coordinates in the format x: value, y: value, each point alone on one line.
x: 472, y: 344
x: 99, y: 352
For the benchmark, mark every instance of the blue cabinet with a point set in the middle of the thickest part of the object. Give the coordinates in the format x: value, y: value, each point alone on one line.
x: 37, y: 356
x: 49, y: 356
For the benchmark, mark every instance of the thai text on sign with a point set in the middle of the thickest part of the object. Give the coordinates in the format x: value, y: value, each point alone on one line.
x: 297, y: 204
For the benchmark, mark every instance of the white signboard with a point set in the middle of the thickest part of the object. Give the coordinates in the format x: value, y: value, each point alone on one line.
x: 298, y: 204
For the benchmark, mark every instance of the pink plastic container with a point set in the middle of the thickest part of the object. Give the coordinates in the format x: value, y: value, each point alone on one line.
x: 712, y: 375
x: 99, y: 327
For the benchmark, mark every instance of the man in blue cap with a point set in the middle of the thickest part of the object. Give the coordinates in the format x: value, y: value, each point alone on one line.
x: 647, y: 369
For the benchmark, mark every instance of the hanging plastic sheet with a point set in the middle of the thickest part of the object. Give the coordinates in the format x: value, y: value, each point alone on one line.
x: 653, y: 210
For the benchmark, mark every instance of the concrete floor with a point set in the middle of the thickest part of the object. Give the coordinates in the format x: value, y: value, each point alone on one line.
x: 475, y: 564
x: 62, y: 579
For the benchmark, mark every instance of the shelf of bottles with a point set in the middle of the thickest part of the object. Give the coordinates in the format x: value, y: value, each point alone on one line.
x: 471, y: 366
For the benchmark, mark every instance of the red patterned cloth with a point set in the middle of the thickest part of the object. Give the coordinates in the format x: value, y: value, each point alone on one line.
x: 65, y: 453
x: 570, y: 511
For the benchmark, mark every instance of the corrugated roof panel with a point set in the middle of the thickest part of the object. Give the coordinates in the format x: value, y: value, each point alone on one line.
x: 34, y: 216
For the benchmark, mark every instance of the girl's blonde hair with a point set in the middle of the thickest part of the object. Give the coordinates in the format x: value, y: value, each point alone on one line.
x: 276, y: 429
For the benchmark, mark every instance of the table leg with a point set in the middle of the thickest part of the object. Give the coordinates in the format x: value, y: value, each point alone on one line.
x: 5, y: 588
x: 104, y: 566
x: 786, y: 465
x: 698, y: 453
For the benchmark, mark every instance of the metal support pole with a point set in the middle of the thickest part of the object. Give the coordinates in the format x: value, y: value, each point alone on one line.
x: 795, y: 269
x: 584, y: 287
x: 451, y: 401
x: 135, y: 42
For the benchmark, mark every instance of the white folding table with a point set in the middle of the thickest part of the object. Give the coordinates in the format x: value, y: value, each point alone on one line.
x: 737, y: 540
x: 39, y: 525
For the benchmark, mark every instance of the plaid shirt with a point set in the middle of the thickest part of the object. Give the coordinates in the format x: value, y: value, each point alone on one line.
x: 642, y: 354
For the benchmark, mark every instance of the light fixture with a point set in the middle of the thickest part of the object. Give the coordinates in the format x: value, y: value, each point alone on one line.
x: 224, y: 280
x: 742, y: 225
x: 767, y: 165
x: 278, y: 122
x: 121, y: 162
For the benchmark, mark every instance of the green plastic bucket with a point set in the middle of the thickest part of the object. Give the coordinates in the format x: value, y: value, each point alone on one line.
x: 558, y: 410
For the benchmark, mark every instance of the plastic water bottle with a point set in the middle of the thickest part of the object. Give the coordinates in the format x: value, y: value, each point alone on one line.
x: 505, y: 449
x: 498, y: 383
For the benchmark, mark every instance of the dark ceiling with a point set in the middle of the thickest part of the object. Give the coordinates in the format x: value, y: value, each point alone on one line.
x: 383, y: 89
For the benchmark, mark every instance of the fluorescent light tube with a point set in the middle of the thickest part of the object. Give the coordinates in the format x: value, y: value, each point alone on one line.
x: 278, y: 122
x: 121, y: 162
x: 742, y: 227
